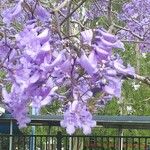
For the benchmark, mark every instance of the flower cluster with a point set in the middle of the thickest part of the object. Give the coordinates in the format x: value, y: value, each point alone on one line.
x: 136, y: 15
x: 30, y: 8
x: 43, y: 67
x: 78, y: 116
x: 97, y: 8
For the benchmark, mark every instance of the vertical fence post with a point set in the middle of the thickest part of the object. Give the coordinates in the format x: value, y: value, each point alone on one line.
x: 59, y: 140
x: 11, y: 136
x: 120, y: 139
x: 32, y: 140
x: 49, y: 138
x: 70, y: 143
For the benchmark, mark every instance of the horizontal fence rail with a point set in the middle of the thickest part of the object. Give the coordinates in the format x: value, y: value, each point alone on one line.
x: 76, y: 142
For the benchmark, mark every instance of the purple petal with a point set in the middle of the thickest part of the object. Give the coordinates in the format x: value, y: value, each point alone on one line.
x: 86, y: 37
x: 117, y: 44
x: 93, y: 59
x: 45, y: 47
x: 87, y: 65
x: 6, y: 96
x: 44, y: 36
x: 100, y: 51
x: 111, y: 72
x: 41, y: 12
x: 58, y: 60
x: 12, y: 13
x: 66, y: 66
x: 46, y: 101
x: 34, y: 78
x: 86, y: 129
x: 122, y: 69
x: 110, y: 90
x: 74, y: 105
x: 114, y: 86
x: 70, y: 129
x: 108, y: 37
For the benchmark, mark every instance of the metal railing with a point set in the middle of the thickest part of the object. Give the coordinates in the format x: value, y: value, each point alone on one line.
x: 75, y: 142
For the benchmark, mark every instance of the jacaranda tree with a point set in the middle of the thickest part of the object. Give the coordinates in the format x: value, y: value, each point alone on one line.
x: 50, y: 51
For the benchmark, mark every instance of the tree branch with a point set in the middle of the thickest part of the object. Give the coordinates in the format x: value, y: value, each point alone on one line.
x: 68, y: 16
x: 133, y: 41
x: 123, y: 28
x: 110, y: 11
x: 143, y: 79
x: 68, y: 20
x: 63, y: 4
x: 74, y: 21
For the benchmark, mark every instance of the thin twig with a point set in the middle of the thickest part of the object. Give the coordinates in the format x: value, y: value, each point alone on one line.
x: 123, y: 28
x: 133, y: 41
x: 68, y: 20
x: 74, y: 21
x: 110, y: 11
x: 143, y: 79
x: 63, y: 4
x: 57, y: 24
x: 68, y: 16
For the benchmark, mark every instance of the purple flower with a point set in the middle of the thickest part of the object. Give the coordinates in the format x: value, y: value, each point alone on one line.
x: 4, y: 50
x: 135, y: 15
x: 113, y: 87
x: 58, y: 60
x: 86, y: 37
x: 118, y: 65
x: 106, y: 41
x: 107, y: 36
x: 78, y: 116
x: 46, y: 47
x: 16, y: 102
x: 101, y: 52
x: 43, y: 36
x: 11, y: 13
x: 70, y: 129
x: 87, y: 65
x: 97, y: 9
x: 43, y: 67
x: 41, y: 13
